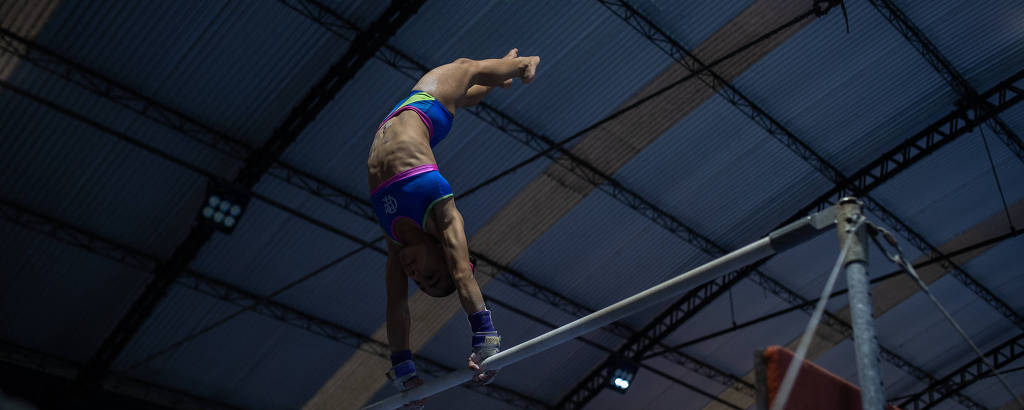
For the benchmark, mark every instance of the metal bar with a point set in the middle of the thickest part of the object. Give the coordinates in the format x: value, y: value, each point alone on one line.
x: 690, y: 61
x: 633, y: 304
x: 685, y: 58
x: 337, y: 24
x: 757, y: 250
x: 988, y: 242
x: 924, y: 46
x: 869, y: 367
x: 257, y: 163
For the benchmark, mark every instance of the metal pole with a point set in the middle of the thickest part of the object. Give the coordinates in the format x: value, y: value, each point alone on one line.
x: 782, y: 238
x: 869, y: 371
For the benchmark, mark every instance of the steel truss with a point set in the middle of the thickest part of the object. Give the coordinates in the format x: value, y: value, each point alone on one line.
x: 256, y: 165
x: 337, y: 24
x: 727, y: 91
x: 398, y: 60
x: 144, y: 106
x: 947, y: 129
x: 945, y: 68
x: 68, y: 234
x: 966, y: 375
x: 651, y: 335
x: 316, y: 187
x: 116, y: 384
x: 680, y: 55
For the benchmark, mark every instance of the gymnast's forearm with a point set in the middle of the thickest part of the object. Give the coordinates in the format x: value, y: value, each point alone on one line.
x: 470, y: 297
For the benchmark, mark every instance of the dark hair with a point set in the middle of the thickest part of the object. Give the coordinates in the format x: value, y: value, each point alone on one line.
x: 451, y: 288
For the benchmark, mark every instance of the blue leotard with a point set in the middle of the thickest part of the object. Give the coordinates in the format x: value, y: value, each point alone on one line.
x: 410, y: 195
x: 434, y: 114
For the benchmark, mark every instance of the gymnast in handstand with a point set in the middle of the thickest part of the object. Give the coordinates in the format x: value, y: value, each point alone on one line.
x: 416, y: 208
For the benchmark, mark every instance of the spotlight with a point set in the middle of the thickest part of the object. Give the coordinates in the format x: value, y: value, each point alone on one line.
x: 224, y: 206
x: 623, y: 372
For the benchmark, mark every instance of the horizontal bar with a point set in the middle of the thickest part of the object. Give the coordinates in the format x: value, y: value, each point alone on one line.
x: 783, y: 238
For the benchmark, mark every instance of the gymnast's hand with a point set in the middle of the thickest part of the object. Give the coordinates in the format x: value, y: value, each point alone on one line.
x: 486, y: 343
x: 403, y: 376
x: 418, y: 404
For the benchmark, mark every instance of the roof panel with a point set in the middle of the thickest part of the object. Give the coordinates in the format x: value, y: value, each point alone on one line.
x: 839, y: 91
x: 595, y: 271
x: 93, y: 179
x: 918, y: 332
x: 202, y: 60
x: 271, y: 247
x: 984, y: 41
x: 955, y: 180
x: 721, y: 175
x: 251, y: 361
x: 690, y: 23
x: 49, y: 294
x: 590, y: 61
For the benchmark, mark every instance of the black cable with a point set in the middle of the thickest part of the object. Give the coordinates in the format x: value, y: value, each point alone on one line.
x: 693, y: 74
x: 897, y: 257
x: 214, y: 325
x: 996, y: 175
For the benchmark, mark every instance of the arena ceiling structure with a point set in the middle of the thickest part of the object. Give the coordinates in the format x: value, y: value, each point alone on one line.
x: 657, y: 136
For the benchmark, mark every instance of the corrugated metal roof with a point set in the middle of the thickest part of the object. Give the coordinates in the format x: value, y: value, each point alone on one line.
x: 984, y: 41
x: 289, y: 359
x: 956, y: 180
x: 241, y: 66
x: 833, y: 89
x: 685, y: 172
x: 77, y: 295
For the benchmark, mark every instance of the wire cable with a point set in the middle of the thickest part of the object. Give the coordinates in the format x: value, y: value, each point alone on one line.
x: 896, y: 256
x: 693, y: 74
x: 812, y: 326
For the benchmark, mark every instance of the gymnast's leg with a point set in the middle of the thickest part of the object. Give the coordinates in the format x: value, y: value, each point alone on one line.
x: 464, y: 82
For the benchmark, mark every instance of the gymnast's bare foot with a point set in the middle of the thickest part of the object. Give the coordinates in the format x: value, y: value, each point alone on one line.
x: 531, y: 69
x: 513, y: 53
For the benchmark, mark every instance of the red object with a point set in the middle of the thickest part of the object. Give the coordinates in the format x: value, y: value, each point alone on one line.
x: 815, y: 388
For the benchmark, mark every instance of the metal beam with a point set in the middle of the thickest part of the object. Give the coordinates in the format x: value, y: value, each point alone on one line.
x: 400, y: 61
x: 945, y: 68
x: 147, y: 107
x: 728, y: 92
x: 580, y: 395
x: 62, y: 372
x: 153, y: 110
x: 80, y: 238
x: 966, y: 375
x: 947, y: 129
x: 257, y: 163
x: 652, y: 335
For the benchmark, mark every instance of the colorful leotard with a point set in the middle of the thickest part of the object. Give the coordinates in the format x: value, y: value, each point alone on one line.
x: 410, y: 195
x: 434, y: 114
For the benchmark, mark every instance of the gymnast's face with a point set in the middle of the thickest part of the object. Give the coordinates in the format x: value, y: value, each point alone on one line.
x: 424, y: 264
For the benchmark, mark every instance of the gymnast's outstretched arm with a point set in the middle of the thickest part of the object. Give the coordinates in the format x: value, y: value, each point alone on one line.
x: 486, y: 342
x: 403, y: 372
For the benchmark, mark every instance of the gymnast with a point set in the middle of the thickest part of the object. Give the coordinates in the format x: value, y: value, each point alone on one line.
x: 416, y: 208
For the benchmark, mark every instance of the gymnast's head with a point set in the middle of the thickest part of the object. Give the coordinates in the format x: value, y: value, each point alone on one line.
x: 424, y: 263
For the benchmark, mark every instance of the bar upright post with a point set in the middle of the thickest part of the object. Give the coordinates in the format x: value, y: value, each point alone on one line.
x: 869, y: 371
